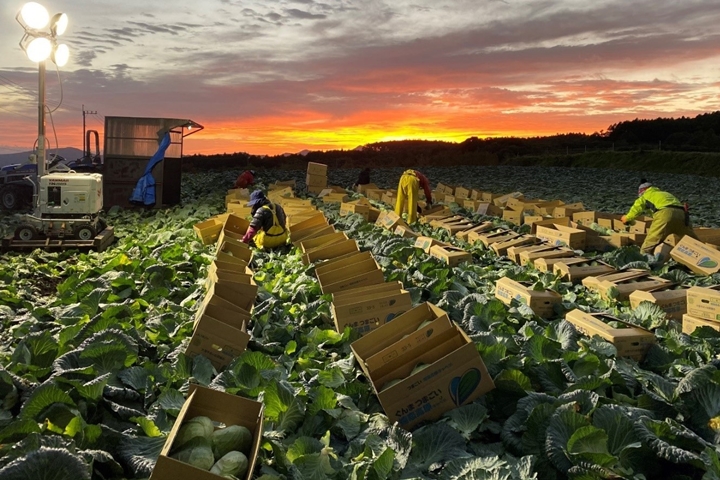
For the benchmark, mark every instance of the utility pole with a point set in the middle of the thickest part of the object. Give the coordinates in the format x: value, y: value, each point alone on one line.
x: 85, y: 145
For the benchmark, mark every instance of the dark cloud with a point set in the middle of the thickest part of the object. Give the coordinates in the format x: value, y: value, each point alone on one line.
x: 295, y: 13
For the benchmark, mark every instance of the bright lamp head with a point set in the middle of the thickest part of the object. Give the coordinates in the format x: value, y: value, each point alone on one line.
x: 61, y: 55
x: 34, y: 15
x: 59, y: 23
x: 39, y: 49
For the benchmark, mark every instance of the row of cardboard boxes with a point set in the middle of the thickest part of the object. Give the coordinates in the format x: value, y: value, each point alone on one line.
x: 635, y: 286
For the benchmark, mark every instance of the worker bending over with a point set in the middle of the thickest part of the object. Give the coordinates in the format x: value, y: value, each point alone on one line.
x: 245, y: 179
x: 408, y: 190
x: 267, y: 228
x: 669, y: 215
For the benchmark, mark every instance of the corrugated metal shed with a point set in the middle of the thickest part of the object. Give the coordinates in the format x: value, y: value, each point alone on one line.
x: 129, y: 144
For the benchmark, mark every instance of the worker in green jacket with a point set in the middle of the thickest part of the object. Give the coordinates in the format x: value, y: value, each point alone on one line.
x: 669, y: 215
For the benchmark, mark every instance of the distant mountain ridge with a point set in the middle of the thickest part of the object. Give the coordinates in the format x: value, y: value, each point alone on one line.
x: 70, y: 153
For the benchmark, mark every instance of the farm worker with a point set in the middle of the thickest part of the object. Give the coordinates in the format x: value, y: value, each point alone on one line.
x: 267, y: 227
x: 669, y: 215
x: 363, y: 177
x: 245, y: 179
x: 408, y: 189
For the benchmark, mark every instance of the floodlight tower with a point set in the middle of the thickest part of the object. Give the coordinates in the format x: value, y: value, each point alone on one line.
x: 39, y: 42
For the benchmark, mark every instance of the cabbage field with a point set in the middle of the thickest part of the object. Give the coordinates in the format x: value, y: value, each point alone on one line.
x: 92, y: 373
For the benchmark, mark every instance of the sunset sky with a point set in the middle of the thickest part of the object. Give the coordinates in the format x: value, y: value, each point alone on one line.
x: 267, y: 77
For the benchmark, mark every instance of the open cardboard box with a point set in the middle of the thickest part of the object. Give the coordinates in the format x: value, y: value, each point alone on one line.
x: 501, y: 248
x: 315, y: 220
x: 697, y: 256
x: 330, y: 251
x: 405, y: 232
x: 489, y: 238
x: 626, y: 287
x: 451, y: 255
x: 347, y: 208
x: 362, y: 272
x: 389, y: 220
x: 594, y: 282
x: 541, y: 302
x: 481, y: 228
x: 366, y: 187
x: 513, y: 216
x: 561, y: 235
x: 502, y: 200
x: 365, y: 308
x: 316, y: 180
x: 690, y: 323
x: 703, y: 302
x: 489, y: 209
x: 673, y: 302
x: 462, y: 193
x: 237, y: 318
x: 548, y: 264
x: 456, y: 374
x: 232, y: 252
x: 575, y: 271
x: 322, y: 240
x: 528, y: 257
x: 220, y: 407
x: 235, y: 227
x: 218, y: 274
x: 241, y: 294
x: 218, y: 341
x: 209, y: 230
x: 513, y: 253
x: 629, y: 340
x: 426, y: 243
x: 309, y: 233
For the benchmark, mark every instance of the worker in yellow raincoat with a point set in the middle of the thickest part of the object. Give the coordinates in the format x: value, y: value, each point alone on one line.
x: 267, y: 228
x: 408, y: 191
x: 670, y: 216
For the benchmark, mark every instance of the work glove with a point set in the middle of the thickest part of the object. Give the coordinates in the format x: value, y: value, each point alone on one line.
x: 624, y: 219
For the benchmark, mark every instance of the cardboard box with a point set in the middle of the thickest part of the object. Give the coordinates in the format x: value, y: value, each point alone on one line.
x: 513, y: 253
x: 602, y: 243
x: 673, y: 302
x: 365, y: 188
x: 234, y: 227
x: 209, y: 230
x: 303, y: 235
x: 550, y: 222
x: 548, y: 264
x: 513, y: 216
x: 624, y: 288
x: 629, y: 340
x: 708, y: 235
x: 593, y: 282
x: 697, y: 256
x: 330, y: 251
x: 331, y: 198
x: 450, y: 190
x: 587, y: 218
x: 390, y: 198
x: 532, y: 219
x: 503, y: 199
x: 501, y: 248
x: 230, y: 252
x: 471, y: 205
x: 350, y: 208
x: 703, y: 302
x: 241, y: 294
x: 316, y: 180
x: 356, y: 271
x: 488, y: 197
x: 690, y: 323
x: 454, y: 227
x: 451, y: 255
x: 425, y: 243
x: 217, y: 341
x: 225, y: 299
x: 641, y: 225
x: 489, y: 210
x: 317, y: 169
x: 528, y: 257
x: 389, y: 220
x: 565, y: 211
x: 366, y: 308
x: 462, y: 193
x: 220, y: 407
x: 315, y: 190
x: 562, y: 235
x: 321, y: 241
x: 476, y: 194
x: 575, y: 271
x: 541, y: 302
x: 317, y: 219
x: 489, y: 238
x: 456, y: 374
x: 481, y: 228
x: 405, y: 232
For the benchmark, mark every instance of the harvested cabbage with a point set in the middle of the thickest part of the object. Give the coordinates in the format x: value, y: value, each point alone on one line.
x: 234, y: 437
x: 197, y: 452
x: 232, y: 464
x: 195, y: 427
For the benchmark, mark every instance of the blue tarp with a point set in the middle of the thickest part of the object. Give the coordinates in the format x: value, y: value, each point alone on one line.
x: 144, y: 192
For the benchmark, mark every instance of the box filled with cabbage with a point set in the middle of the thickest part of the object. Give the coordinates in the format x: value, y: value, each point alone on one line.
x: 216, y: 435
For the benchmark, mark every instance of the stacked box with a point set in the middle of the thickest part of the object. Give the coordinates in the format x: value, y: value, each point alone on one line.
x: 316, y: 178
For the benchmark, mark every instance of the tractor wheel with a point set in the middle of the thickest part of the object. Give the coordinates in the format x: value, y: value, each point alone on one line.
x: 11, y: 198
x: 26, y: 233
x: 84, y: 232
